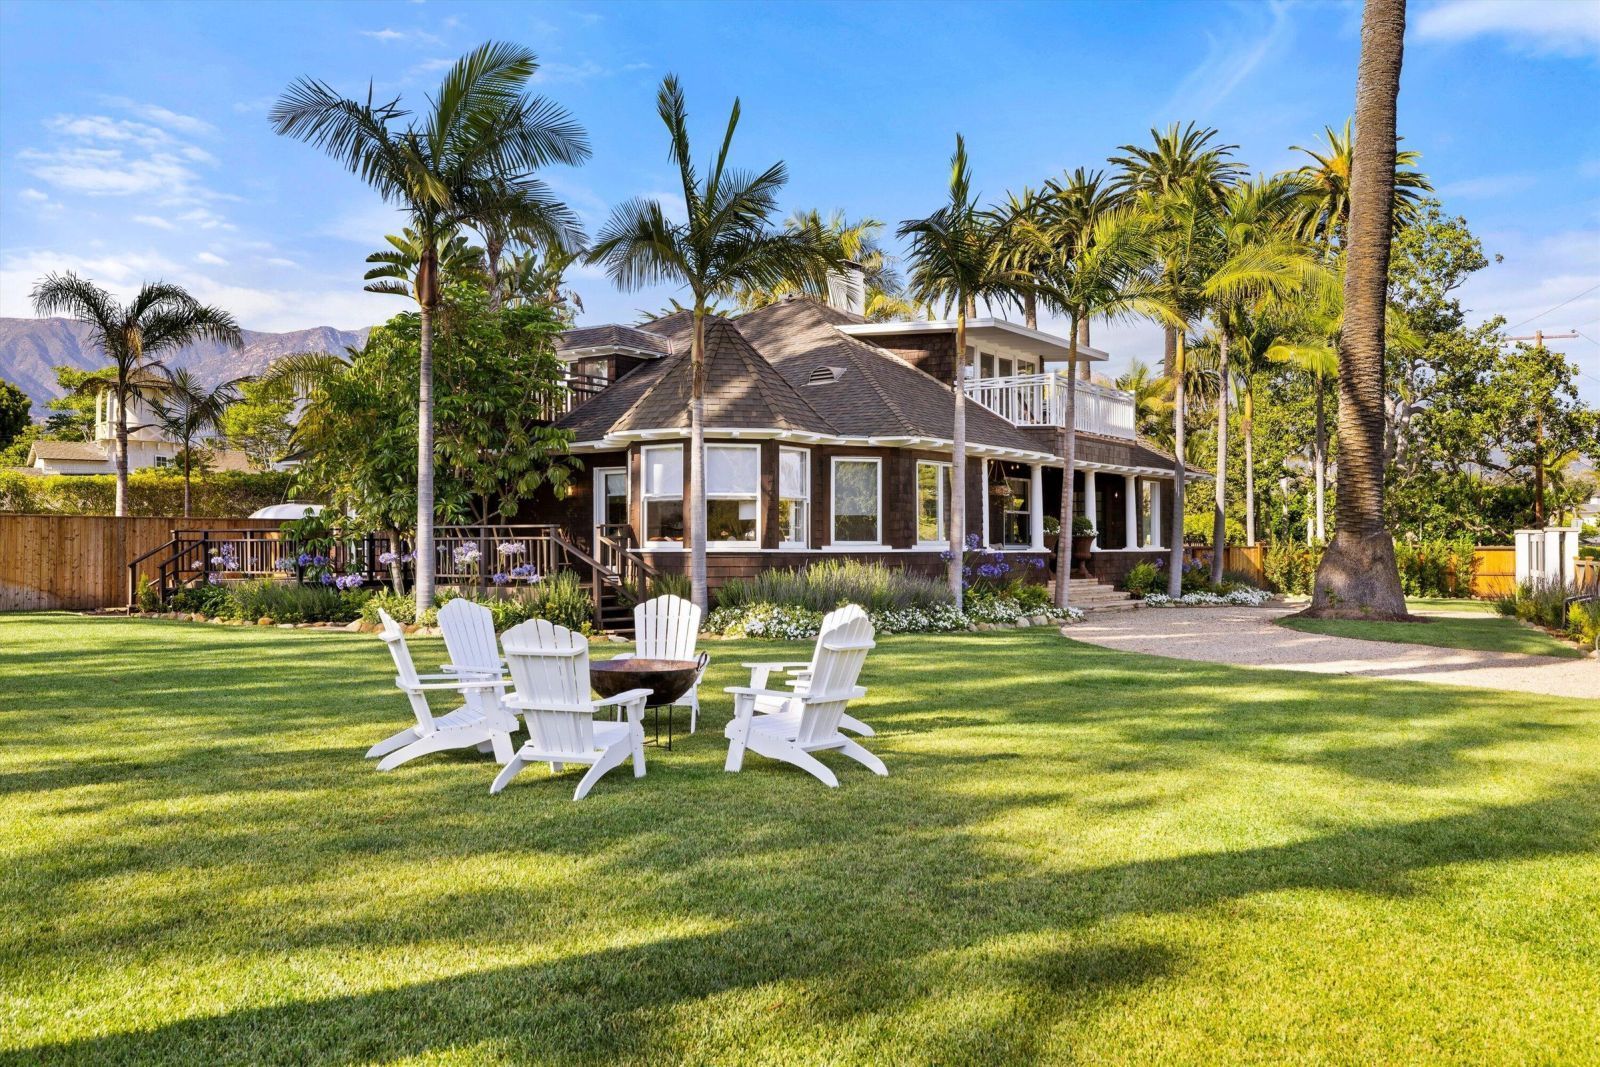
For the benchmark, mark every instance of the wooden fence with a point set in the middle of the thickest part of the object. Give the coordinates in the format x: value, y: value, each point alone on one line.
x: 80, y: 562
x: 1493, y: 567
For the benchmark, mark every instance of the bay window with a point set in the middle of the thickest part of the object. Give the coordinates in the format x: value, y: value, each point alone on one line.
x: 857, y: 500
x: 794, y: 497
x: 933, y: 503
x: 733, y: 489
x: 663, y: 494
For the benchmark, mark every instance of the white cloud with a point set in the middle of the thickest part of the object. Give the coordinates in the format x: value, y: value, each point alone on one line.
x: 279, y: 261
x: 211, y: 258
x: 389, y: 35
x: 672, y: 204
x: 164, y: 117
x: 1229, y: 61
x: 154, y: 220
x: 1544, y: 27
x: 34, y: 195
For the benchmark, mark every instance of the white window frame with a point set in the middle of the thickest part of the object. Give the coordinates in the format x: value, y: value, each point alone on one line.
x: 646, y: 497
x: 754, y: 496
x: 833, y: 502
x: 804, y: 499
x: 945, y: 489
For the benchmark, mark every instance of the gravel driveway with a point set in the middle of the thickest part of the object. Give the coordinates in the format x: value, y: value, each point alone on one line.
x: 1247, y: 636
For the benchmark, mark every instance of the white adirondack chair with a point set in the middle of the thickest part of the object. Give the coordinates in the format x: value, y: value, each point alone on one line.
x: 799, y: 675
x: 668, y: 628
x: 550, y: 669
x: 813, y: 724
x: 481, y: 722
x: 469, y: 638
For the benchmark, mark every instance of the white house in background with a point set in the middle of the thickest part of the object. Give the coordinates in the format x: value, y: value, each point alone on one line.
x: 148, y: 446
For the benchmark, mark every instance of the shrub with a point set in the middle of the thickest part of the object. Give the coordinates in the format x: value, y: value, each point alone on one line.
x: 562, y: 599
x: 209, y: 600
x: 402, y: 607
x: 1082, y: 526
x: 1435, y: 567
x: 821, y: 587
x: 294, y: 603
x: 145, y: 595
x: 150, y: 492
x: 1142, y: 579
x: 1544, y: 603
x: 794, y: 623
x: 1291, y: 567
x: 1583, y: 621
x: 677, y: 585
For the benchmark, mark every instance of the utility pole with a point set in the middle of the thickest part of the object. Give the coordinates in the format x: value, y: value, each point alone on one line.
x: 1538, y: 338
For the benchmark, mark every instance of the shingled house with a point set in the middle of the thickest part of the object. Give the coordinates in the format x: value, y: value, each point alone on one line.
x: 828, y: 434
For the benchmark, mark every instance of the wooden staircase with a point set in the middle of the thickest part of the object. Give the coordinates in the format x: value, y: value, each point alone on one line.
x: 1091, y: 594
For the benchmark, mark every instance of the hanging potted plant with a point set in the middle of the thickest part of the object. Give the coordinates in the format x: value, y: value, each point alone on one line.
x: 1083, y: 534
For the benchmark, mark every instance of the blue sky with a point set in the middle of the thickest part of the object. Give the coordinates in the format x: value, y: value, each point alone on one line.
x: 134, y: 141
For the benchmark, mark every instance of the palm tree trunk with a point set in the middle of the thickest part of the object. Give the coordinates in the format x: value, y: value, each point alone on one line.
x: 1319, y: 461
x: 1358, y: 576
x: 1175, y: 558
x: 1084, y: 368
x: 187, y: 462
x: 492, y: 247
x: 122, y: 454
x: 1219, y: 507
x: 697, y: 458
x: 1169, y: 359
x: 1248, y: 426
x: 1069, y: 456
x: 1030, y: 310
x: 958, y: 462
x: 424, y: 542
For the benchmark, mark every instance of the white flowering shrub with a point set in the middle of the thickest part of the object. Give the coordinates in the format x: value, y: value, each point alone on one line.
x: 784, y: 623
x: 1243, y: 597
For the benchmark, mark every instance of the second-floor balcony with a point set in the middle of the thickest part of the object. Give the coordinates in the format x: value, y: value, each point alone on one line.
x: 1041, y: 400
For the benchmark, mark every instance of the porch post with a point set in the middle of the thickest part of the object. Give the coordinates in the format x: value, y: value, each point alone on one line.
x: 983, y: 502
x: 1130, y: 510
x: 1090, y: 510
x: 1036, y: 508
x: 1155, y: 514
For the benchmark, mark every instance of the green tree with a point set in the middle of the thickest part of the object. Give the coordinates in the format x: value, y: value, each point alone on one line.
x: 188, y: 411
x: 15, y: 406
x: 725, y: 242
x: 259, y: 424
x: 397, y: 270
x: 160, y: 318
x: 480, y: 134
x: 1323, y: 211
x: 958, y: 258
x: 72, y: 414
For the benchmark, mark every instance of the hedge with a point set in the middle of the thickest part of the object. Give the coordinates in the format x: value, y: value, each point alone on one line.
x: 150, y: 492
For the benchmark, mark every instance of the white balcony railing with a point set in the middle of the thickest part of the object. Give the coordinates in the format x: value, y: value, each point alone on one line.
x: 1041, y: 400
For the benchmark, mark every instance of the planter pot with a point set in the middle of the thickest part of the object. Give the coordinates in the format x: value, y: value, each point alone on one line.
x: 1081, y: 547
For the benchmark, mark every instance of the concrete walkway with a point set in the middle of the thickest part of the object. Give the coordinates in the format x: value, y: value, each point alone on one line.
x: 1247, y: 636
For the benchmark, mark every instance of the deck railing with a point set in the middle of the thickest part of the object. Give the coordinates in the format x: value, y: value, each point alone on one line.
x: 1041, y: 400
x: 580, y: 387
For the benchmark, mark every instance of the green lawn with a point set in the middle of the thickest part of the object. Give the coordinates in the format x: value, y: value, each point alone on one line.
x: 1491, y: 633
x: 1426, y: 605
x: 1080, y: 854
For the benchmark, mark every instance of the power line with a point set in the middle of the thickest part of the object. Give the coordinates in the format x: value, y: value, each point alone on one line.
x: 1558, y: 307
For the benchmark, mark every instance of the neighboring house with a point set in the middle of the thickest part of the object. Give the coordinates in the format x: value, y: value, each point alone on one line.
x: 827, y: 434
x: 148, y: 446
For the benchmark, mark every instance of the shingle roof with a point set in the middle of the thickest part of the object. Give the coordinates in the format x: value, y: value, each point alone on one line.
x: 742, y: 390
x: 75, y: 451
x: 613, y: 336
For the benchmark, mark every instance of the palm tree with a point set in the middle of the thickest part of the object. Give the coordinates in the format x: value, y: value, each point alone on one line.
x: 1097, y: 266
x: 1178, y: 161
x: 1323, y: 213
x: 532, y: 277
x: 1078, y: 199
x: 1151, y: 394
x: 396, y: 270
x: 480, y: 134
x: 1319, y: 361
x: 1358, y: 575
x: 1027, y: 247
x: 854, y: 243
x: 523, y: 212
x: 725, y: 242
x: 187, y: 411
x: 161, y: 318
x: 958, y: 258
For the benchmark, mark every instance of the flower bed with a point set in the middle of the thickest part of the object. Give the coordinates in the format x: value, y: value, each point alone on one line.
x: 789, y: 623
x: 1245, y: 597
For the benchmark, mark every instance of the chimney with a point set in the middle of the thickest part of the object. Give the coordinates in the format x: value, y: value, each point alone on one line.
x: 847, y: 289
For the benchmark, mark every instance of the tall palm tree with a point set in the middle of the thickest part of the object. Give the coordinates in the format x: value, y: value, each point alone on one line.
x: 851, y: 242
x: 523, y: 212
x: 1358, y: 575
x: 1027, y: 247
x: 1323, y: 213
x: 160, y: 319
x: 1077, y: 199
x: 1179, y: 162
x: 397, y: 270
x: 1151, y: 396
x: 958, y: 258
x: 1097, y: 267
x: 480, y: 134
x: 537, y: 277
x: 725, y: 242
x: 188, y: 411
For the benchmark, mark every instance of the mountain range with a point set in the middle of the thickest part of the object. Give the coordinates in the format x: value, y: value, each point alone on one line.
x: 31, y: 349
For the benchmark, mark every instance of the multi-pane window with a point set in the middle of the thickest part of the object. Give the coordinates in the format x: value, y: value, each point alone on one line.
x: 933, y: 503
x: 794, y: 496
x: 663, y: 493
x: 733, y: 489
x: 856, y: 502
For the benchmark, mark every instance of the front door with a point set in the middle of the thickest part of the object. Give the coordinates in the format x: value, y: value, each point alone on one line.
x: 610, y: 497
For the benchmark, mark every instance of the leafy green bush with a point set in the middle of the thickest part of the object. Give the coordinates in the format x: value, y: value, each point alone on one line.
x: 1198, y: 528
x: 1291, y: 567
x: 561, y: 598
x: 826, y: 585
x: 146, y: 596
x: 677, y: 585
x: 402, y: 607
x: 1435, y: 567
x: 209, y: 600
x: 1029, y: 596
x: 1143, y: 580
x: 1082, y: 526
x: 284, y: 602
x: 222, y: 494
x: 1544, y: 603
x: 1583, y: 621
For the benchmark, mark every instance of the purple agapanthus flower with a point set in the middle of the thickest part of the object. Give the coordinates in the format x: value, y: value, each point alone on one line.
x: 349, y: 581
x: 328, y: 579
x: 500, y: 578
x: 511, y: 548
x: 387, y: 558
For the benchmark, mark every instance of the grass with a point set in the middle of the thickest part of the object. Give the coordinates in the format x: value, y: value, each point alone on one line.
x: 1427, y: 605
x: 1080, y: 854
x: 1491, y: 633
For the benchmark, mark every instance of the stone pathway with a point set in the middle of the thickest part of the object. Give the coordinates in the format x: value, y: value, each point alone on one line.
x: 1247, y: 636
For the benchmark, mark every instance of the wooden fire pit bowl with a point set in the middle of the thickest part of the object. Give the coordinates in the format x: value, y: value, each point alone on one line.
x: 667, y: 679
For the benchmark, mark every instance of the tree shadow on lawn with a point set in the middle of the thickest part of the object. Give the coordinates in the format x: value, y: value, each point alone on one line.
x: 860, y: 955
